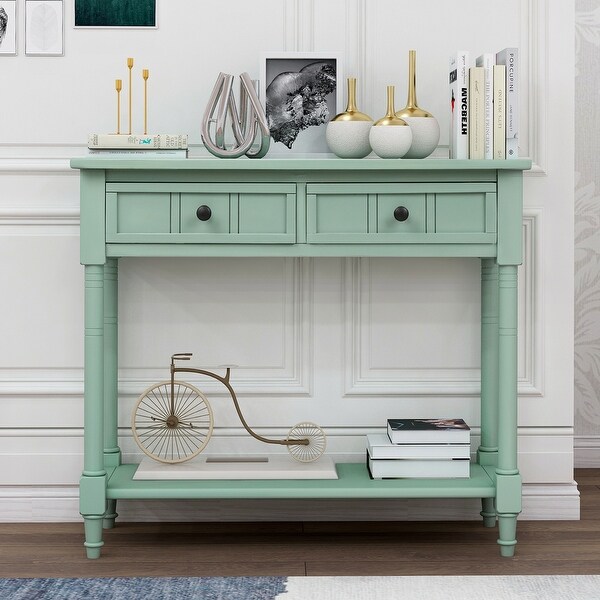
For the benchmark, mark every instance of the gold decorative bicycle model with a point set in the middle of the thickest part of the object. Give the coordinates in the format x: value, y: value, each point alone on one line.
x: 172, y: 421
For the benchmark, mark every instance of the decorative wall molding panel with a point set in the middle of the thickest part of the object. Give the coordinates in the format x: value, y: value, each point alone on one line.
x: 363, y: 378
x: 292, y: 330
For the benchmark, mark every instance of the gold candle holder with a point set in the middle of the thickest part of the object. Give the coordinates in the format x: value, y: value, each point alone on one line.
x: 130, y: 66
x: 118, y: 87
x: 145, y: 75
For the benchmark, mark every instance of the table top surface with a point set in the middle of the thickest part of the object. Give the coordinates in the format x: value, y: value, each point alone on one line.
x: 324, y: 162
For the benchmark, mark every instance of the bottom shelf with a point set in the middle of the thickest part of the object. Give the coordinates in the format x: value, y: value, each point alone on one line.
x: 353, y: 482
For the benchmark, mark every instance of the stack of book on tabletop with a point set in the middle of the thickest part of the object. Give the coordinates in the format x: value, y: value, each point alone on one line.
x: 420, y: 448
x: 161, y: 145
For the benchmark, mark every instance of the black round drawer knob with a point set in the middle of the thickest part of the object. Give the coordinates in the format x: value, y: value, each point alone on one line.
x: 204, y: 213
x: 401, y: 213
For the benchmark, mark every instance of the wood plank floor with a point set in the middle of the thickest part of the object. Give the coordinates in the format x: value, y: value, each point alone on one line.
x: 236, y: 549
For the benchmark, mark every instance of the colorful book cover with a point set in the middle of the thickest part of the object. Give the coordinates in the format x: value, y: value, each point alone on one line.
x: 459, y: 105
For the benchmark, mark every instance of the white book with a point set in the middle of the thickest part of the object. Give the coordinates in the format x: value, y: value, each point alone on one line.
x: 487, y: 61
x: 499, y: 112
x: 509, y: 57
x: 154, y: 141
x: 419, y: 469
x: 379, y: 447
x: 135, y: 154
x: 476, y: 113
x: 459, y: 109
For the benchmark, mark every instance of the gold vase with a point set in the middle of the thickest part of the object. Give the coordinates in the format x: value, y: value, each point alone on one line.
x: 390, y: 136
x: 347, y: 133
x: 425, y: 127
x: 352, y: 113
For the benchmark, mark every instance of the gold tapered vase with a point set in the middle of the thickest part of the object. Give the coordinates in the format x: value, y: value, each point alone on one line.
x: 424, y: 126
x: 390, y: 136
x: 347, y: 134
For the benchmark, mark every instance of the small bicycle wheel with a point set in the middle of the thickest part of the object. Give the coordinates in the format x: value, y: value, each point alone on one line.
x: 316, y: 442
x: 172, y: 432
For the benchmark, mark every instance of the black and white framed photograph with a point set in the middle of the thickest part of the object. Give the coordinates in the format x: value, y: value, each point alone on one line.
x: 129, y: 14
x: 44, y: 28
x: 301, y: 92
x: 8, y: 27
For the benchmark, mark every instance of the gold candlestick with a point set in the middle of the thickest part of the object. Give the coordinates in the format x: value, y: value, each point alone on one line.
x: 118, y: 87
x: 130, y: 66
x: 145, y: 75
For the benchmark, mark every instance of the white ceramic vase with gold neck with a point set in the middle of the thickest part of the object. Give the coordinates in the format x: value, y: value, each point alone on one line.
x: 347, y: 134
x: 390, y: 136
x: 425, y: 127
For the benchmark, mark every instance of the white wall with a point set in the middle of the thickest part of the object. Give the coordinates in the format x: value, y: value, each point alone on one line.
x: 346, y: 343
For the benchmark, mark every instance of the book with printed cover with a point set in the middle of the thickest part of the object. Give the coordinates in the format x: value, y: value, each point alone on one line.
x: 459, y: 105
x: 476, y: 113
x: 159, y: 141
x: 487, y: 61
x: 499, y: 112
x: 509, y: 57
x: 428, y: 431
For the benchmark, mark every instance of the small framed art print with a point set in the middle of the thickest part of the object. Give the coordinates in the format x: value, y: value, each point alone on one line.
x: 301, y: 93
x: 8, y: 27
x: 44, y: 27
x: 133, y: 14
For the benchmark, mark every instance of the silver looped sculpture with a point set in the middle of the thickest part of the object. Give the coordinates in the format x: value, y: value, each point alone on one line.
x: 246, y: 124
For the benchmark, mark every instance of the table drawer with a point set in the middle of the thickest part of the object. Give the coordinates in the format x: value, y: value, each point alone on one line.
x: 401, y: 213
x: 202, y: 213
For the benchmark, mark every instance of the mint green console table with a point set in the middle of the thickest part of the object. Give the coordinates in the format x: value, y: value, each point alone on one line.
x: 303, y: 207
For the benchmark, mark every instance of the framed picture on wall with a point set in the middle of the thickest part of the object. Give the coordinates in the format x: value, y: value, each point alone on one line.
x: 301, y: 92
x: 44, y: 27
x: 8, y: 27
x: 134, y: 14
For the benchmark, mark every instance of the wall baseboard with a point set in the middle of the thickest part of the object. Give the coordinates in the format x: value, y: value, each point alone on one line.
x: 25, y: 504
x: 587, y: 451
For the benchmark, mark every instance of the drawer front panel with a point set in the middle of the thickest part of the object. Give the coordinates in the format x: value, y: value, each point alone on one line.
x: 218, y: 221
x: 402, y: 213
x: 138, y: 216
x: 338, y: 214
x: 236, y: 213
x: 460, y: 213
x: 266, y: 214
x: 415, y: 204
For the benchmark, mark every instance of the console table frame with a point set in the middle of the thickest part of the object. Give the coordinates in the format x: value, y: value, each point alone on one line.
x: 306, y: 197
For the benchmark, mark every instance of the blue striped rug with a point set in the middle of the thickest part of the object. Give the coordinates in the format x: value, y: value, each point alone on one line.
x: 542, y: 587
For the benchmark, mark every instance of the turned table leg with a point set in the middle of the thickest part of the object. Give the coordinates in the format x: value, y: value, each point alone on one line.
x: 508, y: 479
x: 487, y: 453
x: 112, y: 452
x: 92, y: 503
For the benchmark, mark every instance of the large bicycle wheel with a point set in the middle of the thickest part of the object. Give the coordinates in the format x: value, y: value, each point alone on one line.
x: 172, y: 432
x: 316, y: 442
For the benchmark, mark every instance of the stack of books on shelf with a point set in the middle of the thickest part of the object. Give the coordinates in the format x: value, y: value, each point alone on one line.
x: 420, y: 448
x: 484, y: 105
x: 112, y: 145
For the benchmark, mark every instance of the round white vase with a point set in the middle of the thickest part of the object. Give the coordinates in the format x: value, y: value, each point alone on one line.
x: 349, y: 139
x: 425, y: 136
x: 390, y: 141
